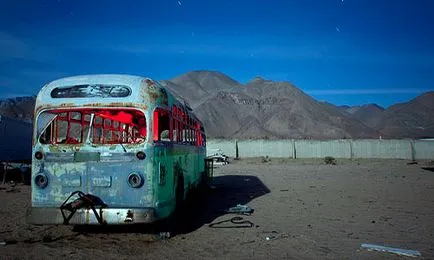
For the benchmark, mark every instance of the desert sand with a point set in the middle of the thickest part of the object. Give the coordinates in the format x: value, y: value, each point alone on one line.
x: 303, y: 209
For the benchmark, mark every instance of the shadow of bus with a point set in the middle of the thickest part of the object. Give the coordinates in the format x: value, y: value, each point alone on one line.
x: 199, y: 209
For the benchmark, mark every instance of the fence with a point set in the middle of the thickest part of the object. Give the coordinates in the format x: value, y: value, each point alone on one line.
x: 350, y: 149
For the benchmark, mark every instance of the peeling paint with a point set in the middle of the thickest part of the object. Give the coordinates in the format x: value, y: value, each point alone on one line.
x: 103, y: 169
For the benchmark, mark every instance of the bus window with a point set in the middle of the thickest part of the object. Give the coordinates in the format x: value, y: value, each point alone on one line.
x: 174, y: 124
x: 118, y: 127
x: 67, y: 130
x: 161, y: 125
x: 108, y: 127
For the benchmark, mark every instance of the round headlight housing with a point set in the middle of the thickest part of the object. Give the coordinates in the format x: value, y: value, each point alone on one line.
x: 140, y: 155
x: 41, y: 180
x: 39, y: 155
x: 135, y: 180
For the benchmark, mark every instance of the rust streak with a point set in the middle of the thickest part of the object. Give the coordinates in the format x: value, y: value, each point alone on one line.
x: 149, y: 82
x: 153, y: 96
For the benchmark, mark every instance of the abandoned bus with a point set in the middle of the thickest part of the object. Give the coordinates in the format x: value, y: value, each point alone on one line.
x: 112, y: 149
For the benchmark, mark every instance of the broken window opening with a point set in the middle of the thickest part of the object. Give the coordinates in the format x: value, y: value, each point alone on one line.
x: 185, y: 128
x: 162, y: 125
x: 111, y: 126
x: 96, y: 90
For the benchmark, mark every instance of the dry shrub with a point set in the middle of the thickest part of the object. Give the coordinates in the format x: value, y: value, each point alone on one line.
x: 330, y: 160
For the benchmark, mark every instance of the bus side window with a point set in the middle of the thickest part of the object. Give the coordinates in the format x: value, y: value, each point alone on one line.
x: 176, y: 125
x: 161, y: 125
x: 174, y: 136
x: 165, y: 135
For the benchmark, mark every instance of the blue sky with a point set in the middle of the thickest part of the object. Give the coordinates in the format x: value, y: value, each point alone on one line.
x: 344, y: 52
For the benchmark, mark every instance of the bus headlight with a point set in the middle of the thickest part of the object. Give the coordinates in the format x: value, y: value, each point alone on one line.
x: 140, y: 155
x: 39, y: 155
x: 41, y: 180
x: 135, y: 180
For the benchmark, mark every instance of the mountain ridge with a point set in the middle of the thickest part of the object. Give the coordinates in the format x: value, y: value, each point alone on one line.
x: 264, y: 108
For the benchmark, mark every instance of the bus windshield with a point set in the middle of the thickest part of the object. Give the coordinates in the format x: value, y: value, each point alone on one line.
x: 96, y: 126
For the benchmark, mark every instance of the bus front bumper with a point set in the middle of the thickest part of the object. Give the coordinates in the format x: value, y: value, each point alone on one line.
x: 109, y: 216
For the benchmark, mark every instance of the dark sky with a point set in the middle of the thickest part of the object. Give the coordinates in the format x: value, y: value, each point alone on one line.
x: 345, y: 52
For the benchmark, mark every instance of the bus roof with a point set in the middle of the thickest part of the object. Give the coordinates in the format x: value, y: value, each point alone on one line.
x: 98, y: 78
x: 106, y: 90
x: 101, y: 90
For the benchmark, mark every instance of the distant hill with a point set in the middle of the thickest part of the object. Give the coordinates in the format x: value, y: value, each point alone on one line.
x: 369, y: 114
x: 263, y: 109
x: 198, y: 86
x: 414, y: 119
x: 268, y: 109
x: 19, y: 108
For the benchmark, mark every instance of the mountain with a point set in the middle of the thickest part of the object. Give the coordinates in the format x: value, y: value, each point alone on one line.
x: 369, y: 114
x: 198, y: 86
x: 262, y: 109
x: 19, y: 108
x: 268, y: 109
x: 414, y: 119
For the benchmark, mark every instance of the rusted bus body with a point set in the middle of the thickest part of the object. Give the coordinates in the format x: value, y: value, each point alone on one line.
x: 123, y: 139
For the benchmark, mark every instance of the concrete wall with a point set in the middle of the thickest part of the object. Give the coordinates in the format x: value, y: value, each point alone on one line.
x: 321, y: 149
x: 257, y: 148
x: 383, y: 149
x: 424, y: 149
x: 369, y: 148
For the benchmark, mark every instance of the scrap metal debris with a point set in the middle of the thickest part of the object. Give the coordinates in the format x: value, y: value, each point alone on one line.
x: 240, y: 209
x: 398, y: 251
x: 236, y: 222
x: 219, y: 159
x: 84, y: 201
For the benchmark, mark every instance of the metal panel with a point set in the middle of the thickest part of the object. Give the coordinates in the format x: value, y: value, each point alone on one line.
x: 321, y: 149
x: 271, y: 148
x: 424, y: 149
x: 367, y: 148
x: 382, y: 149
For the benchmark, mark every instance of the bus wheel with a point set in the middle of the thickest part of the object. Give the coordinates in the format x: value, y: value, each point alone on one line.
x: 170, y: 224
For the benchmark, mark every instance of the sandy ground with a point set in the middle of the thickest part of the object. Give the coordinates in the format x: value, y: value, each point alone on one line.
x: 303, y: 210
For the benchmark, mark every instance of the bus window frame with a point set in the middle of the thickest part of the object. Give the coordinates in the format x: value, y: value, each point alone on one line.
x: 124, y: 132
x: 156, y: 117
